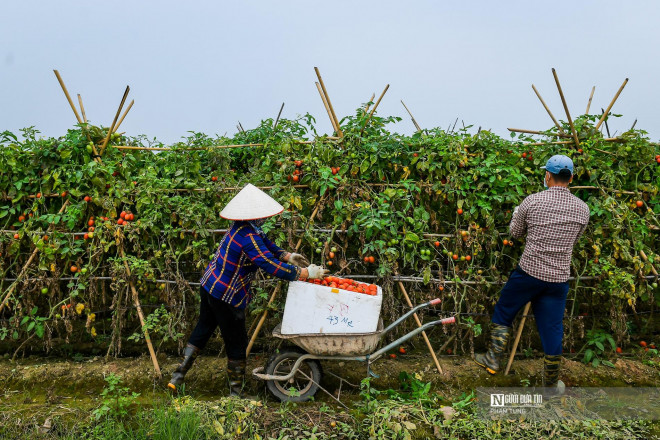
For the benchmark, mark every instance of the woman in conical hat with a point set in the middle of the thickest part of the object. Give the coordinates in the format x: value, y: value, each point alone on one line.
x: 225, y: 287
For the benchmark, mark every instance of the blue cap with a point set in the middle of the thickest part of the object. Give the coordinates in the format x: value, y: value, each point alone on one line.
x: 558, y: 163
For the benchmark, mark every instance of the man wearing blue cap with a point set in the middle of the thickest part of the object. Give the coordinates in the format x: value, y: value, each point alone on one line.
x: 553, y: 220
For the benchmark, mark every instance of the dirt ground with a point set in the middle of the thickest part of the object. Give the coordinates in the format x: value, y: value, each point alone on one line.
x: 55, y: 380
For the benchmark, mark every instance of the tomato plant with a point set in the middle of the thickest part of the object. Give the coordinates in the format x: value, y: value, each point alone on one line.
x: 434, y: 206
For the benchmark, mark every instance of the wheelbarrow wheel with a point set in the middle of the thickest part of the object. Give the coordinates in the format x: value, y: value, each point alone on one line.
x: 302, y: 386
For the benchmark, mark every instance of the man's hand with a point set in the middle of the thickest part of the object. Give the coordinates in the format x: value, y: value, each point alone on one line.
x: 298, y: 260
x: 315, y: 272
x: 515, y: 210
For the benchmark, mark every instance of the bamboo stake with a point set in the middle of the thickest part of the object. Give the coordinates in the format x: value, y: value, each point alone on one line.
x: 366, y: 107
x: 548, y: 110
x: 68, y: 97
x: 75, y: 112
x: 279, y: 286
x: 114, y: 121
x: 514, y: 347
x: 327, y: 108
x: 593, y: 89
x: 411, y: 116
x: 568, y: 114
x: 27, y: 264
x: 606, y: 126
x: 419, y: 324
x: 609, y: 107
x: 241, y: 125
x: 327, y: 97
x: 123, y: 116
x: 520, y: 130
x: 646, y: 260
x: 373, y: 110
x: 278, y: 117
x: 82, y: 108
x: 633, y: 126
x: 136, y: 301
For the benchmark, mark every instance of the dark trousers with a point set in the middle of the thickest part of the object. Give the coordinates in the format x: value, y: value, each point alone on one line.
x: 548, y: 304
x: 216, y: 313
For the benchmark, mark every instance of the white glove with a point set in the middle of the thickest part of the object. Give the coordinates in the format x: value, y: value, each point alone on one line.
x: 298, y: 260
x: 315, y: 272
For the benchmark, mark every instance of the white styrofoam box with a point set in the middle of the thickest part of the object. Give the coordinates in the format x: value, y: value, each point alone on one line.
x: 312, y: 308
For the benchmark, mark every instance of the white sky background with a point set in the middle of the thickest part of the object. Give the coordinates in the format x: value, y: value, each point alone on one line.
x: 204, y: 65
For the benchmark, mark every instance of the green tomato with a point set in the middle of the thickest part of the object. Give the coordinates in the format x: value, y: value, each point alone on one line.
x: 57, y: 316
x: 654, y: 285
x: 163, y: 245
x: 211, y: 257
x: 83, y: 270
x: 333, y: 249
x: 90, y: 235
x: 44, y: 290
x: 89, y: 149
x: 208, y: 189
x: 318, y: 250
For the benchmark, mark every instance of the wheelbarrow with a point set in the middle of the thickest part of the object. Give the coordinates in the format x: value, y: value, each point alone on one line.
x: 295, y: 375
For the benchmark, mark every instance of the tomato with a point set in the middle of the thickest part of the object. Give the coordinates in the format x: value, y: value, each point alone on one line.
x: 392, y: 356
x: 74, y: 269
x: 402, y: 350
x: 38, y: 195
x: 639, y: 203
x: 21, y: 218
x: 295, y: 178
x: 331, y: 254
x: 64, y: 194
x: 90, y: 223
x: 120, y: 222
x: 618, y: 350
x: 459, y: 211
x: 441, y: 288
x: 468, y: 257
x: 86, y: 236
x: 366, y: 259
x: 16, y: 236
x: 505, y: 242
x: 214, y: 178
x: 335, y: 171
x: 524, y: 155
x: 90, y: 229
x: 87, y: 199
x: 329, y: 263
x: 642, y: 343
x: 455, y: 257
x: 45, y: 238
x: 372, y: 259
x: 122, y: 215
x: 130, y: 216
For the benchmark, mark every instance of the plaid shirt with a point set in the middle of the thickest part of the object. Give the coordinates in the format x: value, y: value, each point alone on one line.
x: 241, y: 251
x: 553, y: 220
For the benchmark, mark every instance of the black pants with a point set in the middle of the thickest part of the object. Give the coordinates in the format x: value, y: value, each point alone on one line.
x: 216, y: 313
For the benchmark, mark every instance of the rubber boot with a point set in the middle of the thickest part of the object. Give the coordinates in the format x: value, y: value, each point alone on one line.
x: 189, y: 355
x: 236, y: 376
x: 499, y: 338
x: 551, y: 364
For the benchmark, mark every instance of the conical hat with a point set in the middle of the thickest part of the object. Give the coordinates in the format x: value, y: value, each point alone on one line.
x: 251, y: 203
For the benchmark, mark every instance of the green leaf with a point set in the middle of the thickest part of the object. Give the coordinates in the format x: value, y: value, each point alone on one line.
x: 31, y: 326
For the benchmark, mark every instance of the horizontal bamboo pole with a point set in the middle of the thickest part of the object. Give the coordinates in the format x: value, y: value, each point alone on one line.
x: 521, y: 130
x: 614, y: 139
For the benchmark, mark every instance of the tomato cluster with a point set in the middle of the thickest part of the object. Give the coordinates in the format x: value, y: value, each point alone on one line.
x: 347, y: 284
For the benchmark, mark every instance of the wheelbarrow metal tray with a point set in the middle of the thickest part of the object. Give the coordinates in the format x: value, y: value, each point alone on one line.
x: 334, y: 344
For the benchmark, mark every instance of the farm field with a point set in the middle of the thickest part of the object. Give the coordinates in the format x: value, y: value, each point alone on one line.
x: 99, y: 255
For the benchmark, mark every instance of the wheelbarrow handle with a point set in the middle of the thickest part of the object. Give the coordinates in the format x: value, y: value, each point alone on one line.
x: 433, y: 302
x: 407, y: 336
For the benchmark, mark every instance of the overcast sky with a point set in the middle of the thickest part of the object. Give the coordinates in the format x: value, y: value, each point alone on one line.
x: 204, y: 65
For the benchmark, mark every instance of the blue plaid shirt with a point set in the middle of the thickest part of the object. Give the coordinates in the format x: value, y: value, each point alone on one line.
x: 241, y: 251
